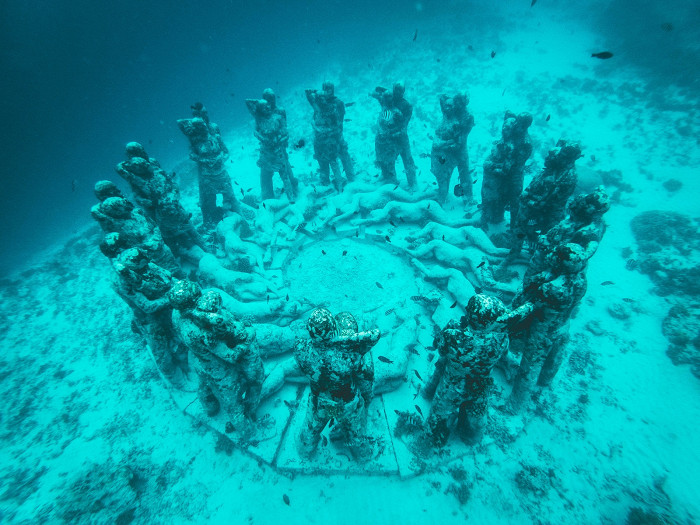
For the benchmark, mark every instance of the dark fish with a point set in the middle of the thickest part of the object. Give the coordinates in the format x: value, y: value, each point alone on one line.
x: 385, y: 359
x: 289, y: 405
x: 442, y: 159
x: 493, y: 54
x: 268, y: 298
x: 242, y: 192
x: 323, y: 252
x: 454, y: 304
x: 628, y: 300
x: 324, y: 440
x: 357, y: 233
x: 443, y: 236
x: 417, y: 392
x: 348, y: 104
x: 347, y: 120
x: 428, y: 206
x: 419, y: 410
x: 396, y: 187
x: 287, y: 298
x: 520, y: 236
x: 392, y: 223
x: 249, y: 190
x: 331, y: 422
x: 470, y: 47
x: 458, y: 191
x: 604, y: 55
x: 264, y: 206
x: 438, y: 60
x: 481, y: 264
x: 533, y: 3
x: 478, y: 290
x: 667, y: 27
x: 379, y: 285
x: 606, y: 283
x: 74, y: 185
x: 415, y: 35
x: 401, y: 219
x: 345, y: 252
x: 387, y: 238
x: 299, y: 144
x: 412, y: 350
x: 548, y: 117
x: 475, y: 181
x: 285, y: 498
x: 424, y: 155
x: 397, y: 412
x: 504, y: 92
x: 390, y: 310
x: 418, y: 375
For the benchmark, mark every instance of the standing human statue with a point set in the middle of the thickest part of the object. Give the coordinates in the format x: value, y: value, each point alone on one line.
x: 462, y: 381
x: 554, y: 294
x: 223, y: 352
x: 584, y: 226
x: 449, y: 149
x: 543, y: 203
x: 158, y: 195
x: 117, y: 215
x: 271, y: 131
x: 144, y: 286
x: 333, y: 360
x: 504, y: 170
x: 392, y: 134
x: 208, y: 150
x: 329, y: 144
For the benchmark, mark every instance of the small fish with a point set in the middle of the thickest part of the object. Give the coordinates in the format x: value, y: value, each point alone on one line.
x: 548, y: 117
x: 401, y: 219
x: 417, y: 392
x: 412, y: 350
x: 424, y: 155
x: 478, y: 290
x: 415, y: 35
x: 268, y: 298
x: 396, y: 187
x: 428, y: 206
x: 442, y: 159
x: 299, y: 144
x: 606, y: 283
x: 458, y: 191
x: 454, y: 304
x: 324, y: 440
x: 493, y: 54
x: 323, y: 252
x: 349, y: 104
x: 475, y: 181
x: 387, y: 238
x: 438, y: 60
x: 520, y: 236
x: 345, y: 252
x: 397, y: 412
x: 379, y: 285
x: 390, y: 310
x: 533, y: 3
x: 419, y: 410
x: 418, y: 375
x: 470, y: 47
x: 392, y: 223
x: 287, y: 298
x: 504, y: 92
x: 264, y: 206
x: 443, y: 236
x: 331, y: 422
x: 481, y: 264
x: 628, y: 300
x: 385, y: 360
x: 667, y: 27
x: 242, y: 192
x: 289, y: 405
x: 249, y: 190
x: 285, y: 498
x: 604, y: 55
x: 357, y: 233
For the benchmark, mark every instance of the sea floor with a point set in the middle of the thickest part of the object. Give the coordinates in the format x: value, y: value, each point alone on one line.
x: 90, y: 432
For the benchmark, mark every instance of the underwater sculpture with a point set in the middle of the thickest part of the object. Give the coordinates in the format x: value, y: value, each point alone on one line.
x: 333, y: 358
x: 554, y: 294
x: 461, y: 383
x: 157, y: 194
x: 116, y: 214
x: 503, y: 170
x: 584, y: 226
x: 329, y: 144
x: 223, y: 353
x: 543, y: 203
x: 449, y: 149
x: 271, y: 132
x: 392, y: 134
x: 208, y: 150
x: 144, y: 286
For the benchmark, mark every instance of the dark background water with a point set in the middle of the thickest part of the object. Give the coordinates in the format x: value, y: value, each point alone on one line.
x: 82, y: 78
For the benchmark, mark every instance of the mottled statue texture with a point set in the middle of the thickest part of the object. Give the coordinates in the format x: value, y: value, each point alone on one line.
x: 330, y: 148
x: 449, y: 149
x: 208, y: 150
x: 392, y: 134
x: 223, y: 352
x: 504, y: 170
x: 336, y: 361
x: 271, y: 132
